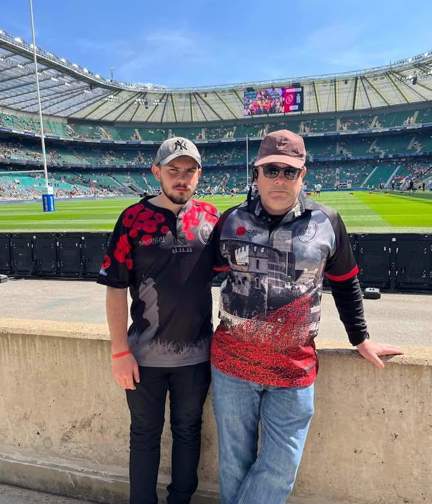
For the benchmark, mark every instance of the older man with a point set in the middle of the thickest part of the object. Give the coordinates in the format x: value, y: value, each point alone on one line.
x: 276, y: 247
x: 159, y: 251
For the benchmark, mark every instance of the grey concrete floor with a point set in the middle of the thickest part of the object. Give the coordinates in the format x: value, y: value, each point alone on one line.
x: 400, y: 319
x: 15, y: 495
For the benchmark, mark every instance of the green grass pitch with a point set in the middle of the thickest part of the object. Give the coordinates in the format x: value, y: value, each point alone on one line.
x: 361, y: 211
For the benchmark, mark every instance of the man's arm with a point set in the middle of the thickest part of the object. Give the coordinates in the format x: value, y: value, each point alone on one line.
x: 341, y: 271
x: 349, y: 303
x: 124, y: 368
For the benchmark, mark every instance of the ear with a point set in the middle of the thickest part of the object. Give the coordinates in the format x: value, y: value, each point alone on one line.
x: 255, y: 174
x: 303, y: 174
x: 156, y: 171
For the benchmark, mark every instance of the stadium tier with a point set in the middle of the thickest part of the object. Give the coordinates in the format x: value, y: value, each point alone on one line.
x: 25, y: 151
x: 343, y: 123
x: 365, y: 129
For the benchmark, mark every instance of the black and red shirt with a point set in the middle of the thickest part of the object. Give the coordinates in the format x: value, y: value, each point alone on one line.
x: 166, y: 261
x: 271, y: 299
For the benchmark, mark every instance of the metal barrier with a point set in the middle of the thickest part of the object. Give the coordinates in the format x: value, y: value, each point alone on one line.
x: 48, y: 255
x: 392, y: 262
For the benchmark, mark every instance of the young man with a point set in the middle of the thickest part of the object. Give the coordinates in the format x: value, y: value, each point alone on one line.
x: 159, y: 251
x: 276, y: 248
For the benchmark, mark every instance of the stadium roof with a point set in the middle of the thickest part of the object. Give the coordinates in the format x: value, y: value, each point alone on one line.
x: 71, y: 91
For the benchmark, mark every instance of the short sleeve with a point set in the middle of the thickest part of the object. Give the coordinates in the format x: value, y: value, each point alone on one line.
x: 117, y: 263
x: 341, y: 265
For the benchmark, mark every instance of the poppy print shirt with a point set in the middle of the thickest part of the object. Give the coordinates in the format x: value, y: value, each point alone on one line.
x: 166, y: 262
x: 271, y: 298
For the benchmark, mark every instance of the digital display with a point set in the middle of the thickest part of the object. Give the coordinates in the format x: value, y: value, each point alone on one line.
x: 273, y: 100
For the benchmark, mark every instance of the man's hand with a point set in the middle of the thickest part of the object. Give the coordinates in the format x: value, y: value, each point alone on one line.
x: 125, y: 371
x: 371, y: 351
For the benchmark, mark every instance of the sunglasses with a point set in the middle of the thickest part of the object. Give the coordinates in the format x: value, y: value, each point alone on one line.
x: 272, y: 171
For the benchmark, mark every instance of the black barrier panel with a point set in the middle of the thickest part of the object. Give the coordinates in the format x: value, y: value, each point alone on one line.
x: 5, y: 258
x: 69, y: 255
x: 414, y: 262
x: 22, y: 254
x: 374, y: 260
x: 396, y: 262
x: 45, y: 254
x: 93, y: 250
x: 354, y: 245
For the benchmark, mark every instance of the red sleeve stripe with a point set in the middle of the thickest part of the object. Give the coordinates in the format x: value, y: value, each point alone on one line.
x: 221, y: 269
x: 342, y: 278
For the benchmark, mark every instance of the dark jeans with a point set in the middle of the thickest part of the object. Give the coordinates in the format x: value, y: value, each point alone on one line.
x: 187, y: 386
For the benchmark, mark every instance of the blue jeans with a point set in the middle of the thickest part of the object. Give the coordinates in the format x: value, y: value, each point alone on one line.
x: 252, y: 472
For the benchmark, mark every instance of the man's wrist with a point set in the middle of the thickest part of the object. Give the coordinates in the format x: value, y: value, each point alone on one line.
x: 120, y: 345
x: 119, y: 355
x: 358, y: 338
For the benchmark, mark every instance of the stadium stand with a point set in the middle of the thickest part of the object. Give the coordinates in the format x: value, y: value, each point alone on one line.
x: 339, y: 122
x: 362, y: 130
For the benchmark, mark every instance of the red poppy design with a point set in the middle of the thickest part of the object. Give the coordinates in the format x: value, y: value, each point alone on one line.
x: 159, y: 217
x: 147, y: 214
x: 211, y: 218
x: 164, y: 229
x: 130, y: 215
x: 122, y: 249
x: 146, y: 240
x: 133, y: 233
x: 129, y: 264
x: 276, y: 350
x: 208, y: 208
x: 240, y: 231
x: 149, y: 226
x: 210, y: 211
x: 190, y: 220
x: 106, y: 262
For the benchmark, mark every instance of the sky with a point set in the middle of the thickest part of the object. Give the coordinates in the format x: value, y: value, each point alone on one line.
x: 203, y: 43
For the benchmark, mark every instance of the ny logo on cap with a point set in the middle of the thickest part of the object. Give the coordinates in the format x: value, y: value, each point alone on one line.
x: 180, y: 144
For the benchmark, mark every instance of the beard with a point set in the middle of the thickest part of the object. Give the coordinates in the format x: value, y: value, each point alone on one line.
x: 177, y: 199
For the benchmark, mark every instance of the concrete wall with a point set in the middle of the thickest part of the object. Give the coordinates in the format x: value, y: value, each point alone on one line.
x: 64, y: 423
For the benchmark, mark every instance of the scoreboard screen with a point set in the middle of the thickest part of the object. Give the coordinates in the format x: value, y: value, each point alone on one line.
x: 273, y: 100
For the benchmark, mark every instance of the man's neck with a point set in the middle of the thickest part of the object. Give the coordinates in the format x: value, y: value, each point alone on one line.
x: 162, y: 201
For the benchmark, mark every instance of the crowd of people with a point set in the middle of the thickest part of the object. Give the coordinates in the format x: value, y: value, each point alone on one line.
x: 265, y: 101
x: 409, y: 176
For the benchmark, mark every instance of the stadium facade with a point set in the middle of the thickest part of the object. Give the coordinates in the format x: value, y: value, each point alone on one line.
x: 363, y: 129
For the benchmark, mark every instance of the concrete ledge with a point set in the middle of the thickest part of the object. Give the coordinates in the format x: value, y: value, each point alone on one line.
x: 64, y: 423
x: 55, y: 329
x: 414, y: 355
x: 55, y: 478
x: 98, y: 486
